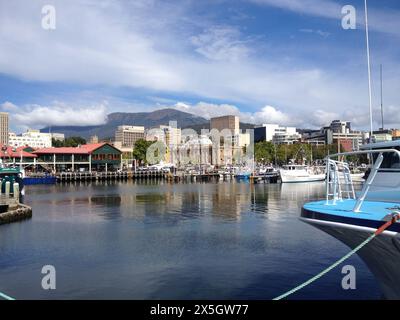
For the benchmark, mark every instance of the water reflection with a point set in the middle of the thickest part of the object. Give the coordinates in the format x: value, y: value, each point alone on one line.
x: 226, y: 240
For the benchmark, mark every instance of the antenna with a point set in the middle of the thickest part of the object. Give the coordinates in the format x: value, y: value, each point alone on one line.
x: 381, y: 96
x: 369, y: 68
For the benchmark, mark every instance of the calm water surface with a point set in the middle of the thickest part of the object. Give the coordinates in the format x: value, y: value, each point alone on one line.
x: 128, y: 240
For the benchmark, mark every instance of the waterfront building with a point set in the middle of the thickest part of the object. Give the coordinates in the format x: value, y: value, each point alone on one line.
x: 58, y: 136
x: 195, y: 151
x: 170, y: 136
x: 339, y: 126
x: 88, y: 157
x: 94, y: 139
x: 395, y: 134
x: 19, y: 155
x: 32, y: 138
x: 230, y: 139
x: 128, y: 135
x: 276, y: 134
x: 338, y: 132
x: 225, y: 122
x: 4, y: 129
x: 382, y: 135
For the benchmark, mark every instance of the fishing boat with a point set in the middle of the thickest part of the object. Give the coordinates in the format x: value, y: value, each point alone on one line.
x: 352, y: 216
x: 301, y: 173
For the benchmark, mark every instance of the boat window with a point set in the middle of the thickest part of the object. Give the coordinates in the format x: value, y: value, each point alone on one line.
x: 390, y: 160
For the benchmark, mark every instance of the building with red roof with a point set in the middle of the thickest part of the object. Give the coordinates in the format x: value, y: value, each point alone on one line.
x: 12, y: 155
x: 95, y: 156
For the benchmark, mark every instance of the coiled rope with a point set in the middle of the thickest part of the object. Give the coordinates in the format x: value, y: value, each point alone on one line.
x: 395, y: 217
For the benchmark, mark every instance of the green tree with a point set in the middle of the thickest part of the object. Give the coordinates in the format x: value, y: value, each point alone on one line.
x: 264, y: 152
x: 69, y: 142
x: 140, y: 150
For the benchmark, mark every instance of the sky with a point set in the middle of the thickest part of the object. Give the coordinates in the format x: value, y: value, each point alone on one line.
x: 288, y: 62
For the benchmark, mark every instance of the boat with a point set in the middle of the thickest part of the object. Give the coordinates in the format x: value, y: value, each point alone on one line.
x: 12, y: 175
x: 352, y: 217
x: 301, y: 173
x: 243, y: 175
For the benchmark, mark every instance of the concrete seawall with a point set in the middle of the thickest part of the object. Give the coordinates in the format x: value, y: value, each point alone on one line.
x: 21, y: 212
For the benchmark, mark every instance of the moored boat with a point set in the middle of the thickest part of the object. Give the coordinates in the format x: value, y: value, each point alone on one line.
x: 301, y: 173
x: 352, y: 216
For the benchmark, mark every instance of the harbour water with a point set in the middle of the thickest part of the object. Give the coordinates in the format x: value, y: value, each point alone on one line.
x: 127, y: 240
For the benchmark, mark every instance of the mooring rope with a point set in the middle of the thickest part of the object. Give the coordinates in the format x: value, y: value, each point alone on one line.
x: 395, y: 217
x: 6, y: 297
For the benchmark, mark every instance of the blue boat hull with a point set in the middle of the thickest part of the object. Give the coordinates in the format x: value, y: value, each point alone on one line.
x: 39, y: 180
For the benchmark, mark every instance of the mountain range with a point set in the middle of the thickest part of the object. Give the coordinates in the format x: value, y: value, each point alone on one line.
x: 146, y: 119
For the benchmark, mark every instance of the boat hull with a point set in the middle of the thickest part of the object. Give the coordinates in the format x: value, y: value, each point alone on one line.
x: 381, y: 255
x: 287, y: 178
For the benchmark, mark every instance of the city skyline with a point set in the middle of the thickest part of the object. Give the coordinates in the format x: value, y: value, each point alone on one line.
x: 259, y: 59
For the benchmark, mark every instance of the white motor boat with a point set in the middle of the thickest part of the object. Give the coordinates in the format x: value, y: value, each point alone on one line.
x: 301, y: 173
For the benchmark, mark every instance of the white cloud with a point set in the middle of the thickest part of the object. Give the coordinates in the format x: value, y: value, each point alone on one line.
x: 8, y: 107
x: 382, y: 20
x: 57, y: 114
x: 208, y: 110
x: 155, y: 45
x: 222, y: 43
x: 321, y: 33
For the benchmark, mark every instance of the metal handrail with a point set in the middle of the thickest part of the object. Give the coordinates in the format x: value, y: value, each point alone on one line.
x: 336, y: 183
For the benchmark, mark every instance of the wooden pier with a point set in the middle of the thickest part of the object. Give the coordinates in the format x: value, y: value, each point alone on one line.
x: 105, y: 176
x: 178, y: 176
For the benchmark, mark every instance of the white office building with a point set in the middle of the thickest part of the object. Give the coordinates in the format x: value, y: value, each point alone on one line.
x: 31, y: 138
x: 276, y: 134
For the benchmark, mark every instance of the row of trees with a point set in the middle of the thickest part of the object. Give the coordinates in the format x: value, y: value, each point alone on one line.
x: 266, y: 152
x: 68, y: 142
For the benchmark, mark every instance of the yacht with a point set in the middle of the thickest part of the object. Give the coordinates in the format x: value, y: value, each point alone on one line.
x: 352, y: 217
x: 301, y: 173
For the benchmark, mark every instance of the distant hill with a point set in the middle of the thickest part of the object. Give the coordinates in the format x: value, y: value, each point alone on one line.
x: 146, y: 119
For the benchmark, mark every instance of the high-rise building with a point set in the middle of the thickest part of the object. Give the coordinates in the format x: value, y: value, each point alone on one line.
x: 128, y: 135
x: 225, y: 122
x: 4, y: 128
x: 231, y: 140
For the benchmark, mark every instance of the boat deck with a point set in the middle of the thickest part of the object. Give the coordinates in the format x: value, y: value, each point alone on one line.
x: 373, y: 213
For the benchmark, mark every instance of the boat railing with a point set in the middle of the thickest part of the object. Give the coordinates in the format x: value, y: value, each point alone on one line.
x: 339, y: 184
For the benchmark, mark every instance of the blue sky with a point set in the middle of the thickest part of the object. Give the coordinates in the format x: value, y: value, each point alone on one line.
x: 288, y: 62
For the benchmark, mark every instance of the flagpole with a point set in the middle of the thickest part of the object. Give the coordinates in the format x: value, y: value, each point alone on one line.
x: 369, y: 69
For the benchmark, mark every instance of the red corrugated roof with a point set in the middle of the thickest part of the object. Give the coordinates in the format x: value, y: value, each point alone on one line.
x: 62, y: 150
x: 15, y: 152
x: 83, y: 149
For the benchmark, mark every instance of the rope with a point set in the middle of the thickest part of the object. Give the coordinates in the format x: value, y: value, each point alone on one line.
x: 395, y: 217
x: 6, y: 297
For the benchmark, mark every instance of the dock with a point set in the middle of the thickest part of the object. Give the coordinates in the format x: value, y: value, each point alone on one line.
x: 178, y: 176
x: 11, y: 210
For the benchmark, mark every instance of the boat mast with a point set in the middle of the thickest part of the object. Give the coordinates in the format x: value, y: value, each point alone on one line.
x: 381, y: 96
x: 369, y: 68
